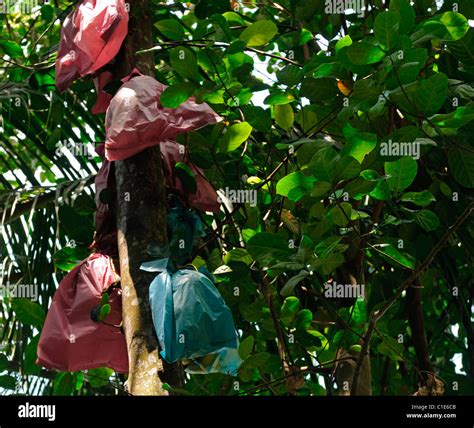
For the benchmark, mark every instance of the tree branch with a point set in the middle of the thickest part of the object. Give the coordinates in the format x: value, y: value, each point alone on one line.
x: 377, y: 315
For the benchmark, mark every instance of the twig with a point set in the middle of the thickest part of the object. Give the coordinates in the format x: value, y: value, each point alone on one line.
x: 377, y: 315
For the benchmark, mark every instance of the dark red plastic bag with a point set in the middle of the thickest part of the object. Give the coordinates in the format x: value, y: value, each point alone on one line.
x: 135, y: 119
x: 70, y: 340
x: 205, y: 198
x: 91, y: 37
x: 105, y: 238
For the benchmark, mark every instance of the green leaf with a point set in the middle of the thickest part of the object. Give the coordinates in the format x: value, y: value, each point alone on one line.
x: 456, y: 25
x: 358, y: 144
x: 424, y: 97
x: 393, y: 255
x: 47, y: 12
x: 4, y: 363
x: 175, y: 95
x: 289, y: 309
x: 360, y: 312
x: 341, y: 214
x: 343, y: 42
x: 461, y: 164
x: 279, y: 98
x: 99, y: 377
x: 265, y: 247
x: 360, y: 187
x: 386, y: 28
x: 79, y: 380
x: 183, y: 61
x: 419, y: 198
x: 186, y: 176
x: 363, y: 53
x: 12, y: 49
x: 104, y: 312
x: 28, y: 312
x: 7, y: 382
x: 290, y: 285
x: 401, y: 173
x: 67, y: 258
x: 304, y: 320
x: 233, y: 17
x: 257, y: 117
x: 327, y: 165
x: 30, y: 366
x: 259, y: 33
x: 454, y: 120
x: 252, y: 363
x: 105, y: 299
x: 331, y: 69
x: 79, y: 228
x: 292, y: 181
x: 238, y: 255
x: 246, y: 347
x: 318, y: 90
x: 406, y: 12
x: 426, y: 219
x: 320, y: 188
x: 329, y: 246
x: 463, y: 49
x: 284, y: 116
x: 235, y: 136
x: 171, y: 29
x: 63, y: 384
x: 290, y: 75
x: 381, y: 191
x: 346, y: 168
x: 391, y: 348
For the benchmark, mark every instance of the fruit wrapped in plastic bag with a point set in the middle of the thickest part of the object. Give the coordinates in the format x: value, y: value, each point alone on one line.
x: 191, y: 320
x: 72, y: 338
x: 91, y: 36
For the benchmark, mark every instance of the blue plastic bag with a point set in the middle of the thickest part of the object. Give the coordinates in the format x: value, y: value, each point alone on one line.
x: 184, y: 227
x: 192, y: 321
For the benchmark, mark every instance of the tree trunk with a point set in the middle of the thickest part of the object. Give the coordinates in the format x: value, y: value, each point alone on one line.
x: 141, y: 220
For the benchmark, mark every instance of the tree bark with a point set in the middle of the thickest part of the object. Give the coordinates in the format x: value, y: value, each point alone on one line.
x: 141, y: 220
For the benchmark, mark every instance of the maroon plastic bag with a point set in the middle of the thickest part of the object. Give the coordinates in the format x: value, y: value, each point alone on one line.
x: 70, y: 340
x: 103, y: 98
x: 136, y: 120
x: 91, y: 37
x: 105, y: 238
x: 205, y: 198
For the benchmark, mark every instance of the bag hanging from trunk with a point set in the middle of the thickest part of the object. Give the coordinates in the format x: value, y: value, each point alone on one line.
x: 70, y: 340
x: 91, y: 37
x: 192, y: 321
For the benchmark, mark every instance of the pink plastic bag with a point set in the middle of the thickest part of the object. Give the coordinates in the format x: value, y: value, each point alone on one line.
x: 205, y: 198
x: 91, y: 37
x: 135, y: 119
x: 103, y: 98
x: 70, y: 339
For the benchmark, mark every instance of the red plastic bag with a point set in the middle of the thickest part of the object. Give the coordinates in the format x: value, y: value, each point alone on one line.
x: 70, y: 340
x: 205, y: 198
x: 136, y: 120
x: 105, y: 238
x: 103, y: 98
x: 91, y: 37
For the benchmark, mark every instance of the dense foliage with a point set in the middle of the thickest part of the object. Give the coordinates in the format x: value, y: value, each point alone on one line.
x: 335, y: 201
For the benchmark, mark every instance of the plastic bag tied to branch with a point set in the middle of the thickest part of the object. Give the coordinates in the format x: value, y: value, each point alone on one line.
x: 70, y: 339
x: 192, y: 321
x: 91, y: 36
